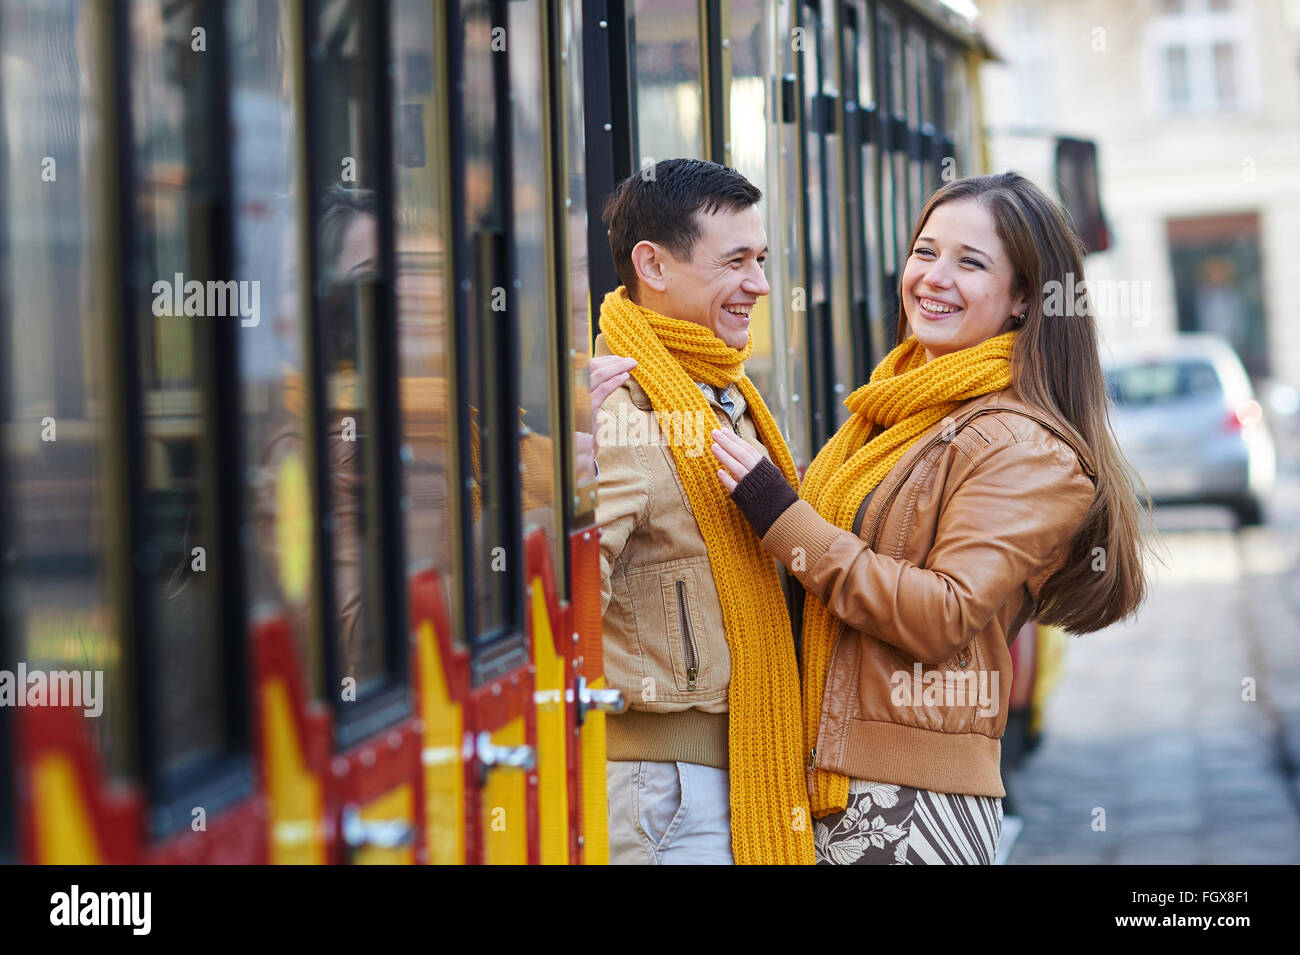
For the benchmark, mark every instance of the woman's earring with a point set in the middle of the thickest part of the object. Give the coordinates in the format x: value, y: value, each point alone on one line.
x: 1020, y: 319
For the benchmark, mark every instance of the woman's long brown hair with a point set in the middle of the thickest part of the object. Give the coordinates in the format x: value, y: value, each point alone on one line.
x: 1056, y: 368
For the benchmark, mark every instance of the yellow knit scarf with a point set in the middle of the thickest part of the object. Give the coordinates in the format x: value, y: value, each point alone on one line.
x: 770, y: 822
x: 905, y: 397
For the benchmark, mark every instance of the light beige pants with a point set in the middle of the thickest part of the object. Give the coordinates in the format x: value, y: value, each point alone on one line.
x: 668, y: 814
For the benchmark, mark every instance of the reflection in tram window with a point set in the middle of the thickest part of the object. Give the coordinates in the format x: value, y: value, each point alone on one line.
x: 177, y: 178
x: 750, y: 122
x: 576, y: 230
x: 347, y: 294
x: 534, y: 300
x: 422, y: 306
x: 278, y: 535
x: 667, y: 96
x: 791, y: 251
x: 491, y: 536
x: 61, y: 533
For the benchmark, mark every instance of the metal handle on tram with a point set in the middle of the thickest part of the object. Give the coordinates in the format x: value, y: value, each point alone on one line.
x: 490, y: 754
x: 361, y: 833
x: 604, y: 700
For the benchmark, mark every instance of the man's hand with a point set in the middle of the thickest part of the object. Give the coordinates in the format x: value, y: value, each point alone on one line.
x: 736, y: 457
x: 608, y: 372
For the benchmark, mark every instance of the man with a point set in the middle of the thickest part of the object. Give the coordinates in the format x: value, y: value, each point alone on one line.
x: 706, y: 765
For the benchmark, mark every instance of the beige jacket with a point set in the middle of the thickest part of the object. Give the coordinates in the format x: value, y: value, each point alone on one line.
x: 665, y: 643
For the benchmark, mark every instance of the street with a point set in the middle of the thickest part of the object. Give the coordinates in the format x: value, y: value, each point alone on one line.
x: 1153, y: 751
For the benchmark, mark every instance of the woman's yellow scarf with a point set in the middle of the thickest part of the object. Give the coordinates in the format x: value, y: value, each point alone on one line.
x: 770, y: 823
x: 905, y: 397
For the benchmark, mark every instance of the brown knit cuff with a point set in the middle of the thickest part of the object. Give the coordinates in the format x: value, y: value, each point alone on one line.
x: 763, y: 495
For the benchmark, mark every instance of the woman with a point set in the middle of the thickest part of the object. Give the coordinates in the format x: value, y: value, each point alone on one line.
x: 975, y: 485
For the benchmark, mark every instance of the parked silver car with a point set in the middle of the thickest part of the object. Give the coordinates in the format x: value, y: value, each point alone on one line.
x: 1186, y: 417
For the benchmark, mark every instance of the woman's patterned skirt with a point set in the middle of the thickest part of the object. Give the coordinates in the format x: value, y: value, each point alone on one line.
x: 884, y: 824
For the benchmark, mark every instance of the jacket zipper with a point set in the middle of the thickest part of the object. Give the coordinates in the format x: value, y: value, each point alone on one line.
x: 688, y: 637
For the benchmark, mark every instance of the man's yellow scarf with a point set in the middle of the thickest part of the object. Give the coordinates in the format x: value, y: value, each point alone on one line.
x: 905, y: 397
x: 770, y: 823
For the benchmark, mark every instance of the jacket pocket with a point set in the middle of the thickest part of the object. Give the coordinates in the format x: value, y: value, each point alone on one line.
x: 681, y: 597
x: 678, y: 632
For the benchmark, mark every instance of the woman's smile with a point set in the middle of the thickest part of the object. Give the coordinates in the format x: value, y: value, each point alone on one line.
x: 937, y: 310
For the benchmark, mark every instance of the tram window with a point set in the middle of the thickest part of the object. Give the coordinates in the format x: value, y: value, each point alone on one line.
x: 896, y: 227
x: 533, y: 283
x: 52, y: 342
x: 177, y: 183
x: 937, y: 76
x: 880, y: 324
x: 575, y: 204
x: 817, y: 145
x: 349, y: 308
x: 898, y: 89
x: 917, y: 109
x: 841, y: 343
x: 791, y: 259
x: 424, y: 358
x: 278, y: 537
x: 487, y: 382
x: 667, y: 96
x: 748, y: 138
x: 814, y: 184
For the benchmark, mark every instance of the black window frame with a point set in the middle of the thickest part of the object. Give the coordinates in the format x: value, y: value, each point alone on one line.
x: 500, y: 650
x: 215, y: 782
x: 379, y: 707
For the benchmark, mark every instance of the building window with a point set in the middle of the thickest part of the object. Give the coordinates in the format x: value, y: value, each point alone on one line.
x: 1201, y: 51
x: 1225, y: 75
x: 1178, y: 89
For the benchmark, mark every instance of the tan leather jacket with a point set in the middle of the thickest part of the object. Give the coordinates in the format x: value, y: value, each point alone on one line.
x: 665, y: 643
x: 946, y: 564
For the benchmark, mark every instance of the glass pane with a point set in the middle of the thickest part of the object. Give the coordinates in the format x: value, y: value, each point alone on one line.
x: 880, y: 323
x: 576, y: 226
x: 841, y: 339
x: 176, y: 188
x: 485, y: 227
x: 664, y: 62
x: 534, y: 300
x: 278, y: 533
x: 53, y: 344
x: 1176, y: 77
x: 915, y: 72
x: 750, y: 121
x: 347, y: 257
x: 428, y: 404
x: 889, y: 218
x: 1225, y: 77
x: 788, y: 256
x: 813, y: 181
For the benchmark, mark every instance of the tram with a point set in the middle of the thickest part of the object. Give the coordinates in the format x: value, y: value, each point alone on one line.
x: 298, y: 298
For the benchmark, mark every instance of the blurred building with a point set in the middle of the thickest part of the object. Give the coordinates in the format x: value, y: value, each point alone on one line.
x: 1195, y: 109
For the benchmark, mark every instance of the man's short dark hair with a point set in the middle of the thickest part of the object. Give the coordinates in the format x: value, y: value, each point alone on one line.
x: 661, y: 205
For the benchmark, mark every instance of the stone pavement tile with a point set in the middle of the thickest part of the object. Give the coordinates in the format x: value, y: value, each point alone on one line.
x: 1148, y: 823
x: 1159, y: 853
